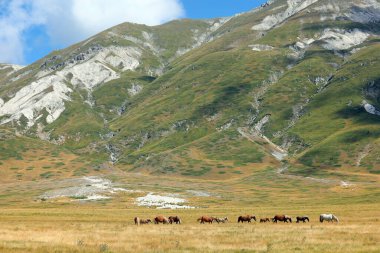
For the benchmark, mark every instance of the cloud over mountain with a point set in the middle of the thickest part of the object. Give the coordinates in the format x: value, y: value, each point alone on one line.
x: 66, y: 22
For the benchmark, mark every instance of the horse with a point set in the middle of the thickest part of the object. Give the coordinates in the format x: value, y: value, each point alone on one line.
x: 221, y: 220
x: 147, y: 221
x: 137, y: 221
x: 161, y: 219
x: 303, y: 219
x: 284, y: 218
x: 247, y: 218
x: 204, y: 219
x: 174, y: 219
x: 264, y: 220
x: 328, y: 217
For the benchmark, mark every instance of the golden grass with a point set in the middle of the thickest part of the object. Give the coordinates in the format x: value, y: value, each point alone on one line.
x: 87, y: 229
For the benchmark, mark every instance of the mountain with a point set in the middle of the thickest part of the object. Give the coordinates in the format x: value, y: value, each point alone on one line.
x: 294, y: 84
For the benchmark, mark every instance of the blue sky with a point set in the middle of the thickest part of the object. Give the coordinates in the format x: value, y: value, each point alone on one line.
x: 30, y: 29
x: 218, y: 8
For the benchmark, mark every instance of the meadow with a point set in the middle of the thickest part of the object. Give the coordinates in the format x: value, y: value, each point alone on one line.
x: 29, y: 224
x: 99, y: 229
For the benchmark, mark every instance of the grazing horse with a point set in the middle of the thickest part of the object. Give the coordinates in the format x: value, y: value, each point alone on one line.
x: 247, y: 218
x: 161, y: 219
x: 284, y: 218
x: 264, y: 220
x: 328, y: 217
x: 147, y: 221
x: 221, y: 220
x: 303, y: 219
x: 204, y: 219
x: 137, y: 221
x: 174, y: 219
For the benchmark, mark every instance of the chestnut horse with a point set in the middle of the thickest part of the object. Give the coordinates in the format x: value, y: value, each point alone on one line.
x: 303, y: 219
x: 204, y: 219
x: 264, y: 220
x: 161, y: 219
x: 247, y: 218
x: 174, y: 219
x: 283, y: 218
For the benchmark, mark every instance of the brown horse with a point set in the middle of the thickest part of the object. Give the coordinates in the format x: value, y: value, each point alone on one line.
x: 204, y: 219
x: 161, y: 219
x: 303, y: 219
x: 284, y: 218
x: 264, y: 220
x: 174, y: 219
x: 247, y: 218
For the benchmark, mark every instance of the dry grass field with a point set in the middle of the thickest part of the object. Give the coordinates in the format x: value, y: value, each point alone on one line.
x: 91, y: 228
x: 28, y: 224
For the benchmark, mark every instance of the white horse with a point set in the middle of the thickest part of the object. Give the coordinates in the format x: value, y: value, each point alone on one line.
x: 328, y: 217
x: 222, y: 220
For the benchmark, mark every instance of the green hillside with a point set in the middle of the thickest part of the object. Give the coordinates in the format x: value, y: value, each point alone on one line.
x: 199, y: 83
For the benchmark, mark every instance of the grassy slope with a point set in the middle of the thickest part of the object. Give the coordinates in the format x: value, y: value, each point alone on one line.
x: 175, y: 124
x: 23, y: 159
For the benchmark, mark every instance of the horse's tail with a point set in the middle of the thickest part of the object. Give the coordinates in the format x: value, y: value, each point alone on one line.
x: 320, y: 218
x: 239, y: 219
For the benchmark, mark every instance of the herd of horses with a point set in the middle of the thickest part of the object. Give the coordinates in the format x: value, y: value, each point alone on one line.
x: 242, y: 219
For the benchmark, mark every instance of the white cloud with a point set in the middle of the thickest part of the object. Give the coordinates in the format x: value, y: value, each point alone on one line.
x: 69, y: 21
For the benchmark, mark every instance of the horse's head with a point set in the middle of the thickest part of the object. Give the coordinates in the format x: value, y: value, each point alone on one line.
x: 148, y: 221
x: 253, y: 218
x: 335, y: 218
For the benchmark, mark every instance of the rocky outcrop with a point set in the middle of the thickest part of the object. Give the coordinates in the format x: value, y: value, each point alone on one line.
x: 338, y: 39
x: 294, y: 6
x: 370, y: 108
x: 50, y: 92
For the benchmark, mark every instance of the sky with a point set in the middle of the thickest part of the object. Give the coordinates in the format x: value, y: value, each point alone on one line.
x: 30, y: 29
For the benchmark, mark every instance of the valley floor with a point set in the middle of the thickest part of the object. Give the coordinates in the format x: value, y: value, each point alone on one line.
x: 86, y: 228
x: 31, y: 223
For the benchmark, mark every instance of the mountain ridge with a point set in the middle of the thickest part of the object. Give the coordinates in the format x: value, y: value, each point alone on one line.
x: 182, y: 97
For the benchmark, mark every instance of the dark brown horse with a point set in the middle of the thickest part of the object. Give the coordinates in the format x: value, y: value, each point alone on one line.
x: 205, y: 219
x: 246, y: 218
x: 174, y: 219
x: 283, y: 218
x: 161, y: 219
x: 303, y: 219
x: 264, y: 220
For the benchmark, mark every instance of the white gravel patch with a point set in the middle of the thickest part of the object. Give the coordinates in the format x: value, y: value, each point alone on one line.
x: 87, y: 189
x: 199, y: 193
x: 162, y: 202
x: 259, y: 48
